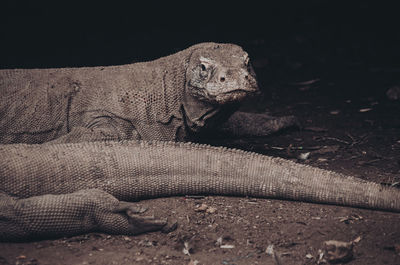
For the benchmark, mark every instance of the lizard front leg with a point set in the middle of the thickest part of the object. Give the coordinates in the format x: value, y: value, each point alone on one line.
x: 99, y: 126
x: 83, y: 134
x: 257, y: 124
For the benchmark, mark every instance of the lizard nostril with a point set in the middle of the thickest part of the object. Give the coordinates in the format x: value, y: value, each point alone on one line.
x: 222, y: 79
x: 246, y: 77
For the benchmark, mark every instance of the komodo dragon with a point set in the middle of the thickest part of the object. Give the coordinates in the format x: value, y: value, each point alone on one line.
x: 174, y: 98
x: 92, y: 160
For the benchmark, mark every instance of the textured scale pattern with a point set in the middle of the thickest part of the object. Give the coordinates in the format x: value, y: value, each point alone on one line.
x: 135, y: 170
x: 61, y: 215
x: 148, y: 100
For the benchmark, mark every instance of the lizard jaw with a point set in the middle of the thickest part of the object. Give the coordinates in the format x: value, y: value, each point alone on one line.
x: 234, y: 96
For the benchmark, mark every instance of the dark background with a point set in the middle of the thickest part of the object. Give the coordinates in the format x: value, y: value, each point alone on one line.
x: 56, y: 33
x: 294, y: 40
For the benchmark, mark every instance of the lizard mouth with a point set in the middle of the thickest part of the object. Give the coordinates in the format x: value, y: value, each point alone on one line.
x: 240, y: 91
x: 235, y: 95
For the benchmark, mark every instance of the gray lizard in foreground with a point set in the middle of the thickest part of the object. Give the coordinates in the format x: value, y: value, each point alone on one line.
x: 74, y: 182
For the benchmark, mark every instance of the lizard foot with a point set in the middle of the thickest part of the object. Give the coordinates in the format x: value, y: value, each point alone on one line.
x: 71, y: 214
x: 257, y: 124
x: 139, y: 224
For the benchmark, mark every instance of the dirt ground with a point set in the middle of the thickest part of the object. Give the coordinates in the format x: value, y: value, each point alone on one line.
x: 348, y: 125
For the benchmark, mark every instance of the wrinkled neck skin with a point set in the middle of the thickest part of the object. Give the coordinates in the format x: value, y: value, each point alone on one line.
x: 201, y: 116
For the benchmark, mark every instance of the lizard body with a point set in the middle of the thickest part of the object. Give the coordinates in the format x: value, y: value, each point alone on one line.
x: 170, y: 98
x: 74, y: 171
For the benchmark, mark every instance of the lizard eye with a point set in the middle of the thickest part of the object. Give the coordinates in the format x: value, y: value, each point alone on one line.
x: 203, y: 67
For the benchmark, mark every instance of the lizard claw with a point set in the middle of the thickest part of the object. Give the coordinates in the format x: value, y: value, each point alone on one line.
x: 143, y: 224
x: 138, y: 224
x: 129, y: 206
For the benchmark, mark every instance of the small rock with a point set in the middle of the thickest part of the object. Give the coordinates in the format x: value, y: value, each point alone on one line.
x: 219, y: 241
x: 365, y: 110
x: 211, y: 210
x: 187, y: 249
x: 138, y: 259
x: 146, y: 243
x: 358, y: 239
x: 321, y: 259
x: 304, y: 156
x: 270, y: 250
x: 338, y: 251
x: 227, y: 246
x: 205, y: 208
x: 202, y: 208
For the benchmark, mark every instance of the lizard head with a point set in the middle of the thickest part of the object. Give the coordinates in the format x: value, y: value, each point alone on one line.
x: 220, y: 74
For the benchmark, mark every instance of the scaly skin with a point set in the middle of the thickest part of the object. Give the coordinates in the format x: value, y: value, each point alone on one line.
x: 95, y: 178
x: 171, y: 98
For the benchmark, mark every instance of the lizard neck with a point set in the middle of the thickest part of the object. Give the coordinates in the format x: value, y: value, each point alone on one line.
x: 200, y: 116
x: 197, y: 113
